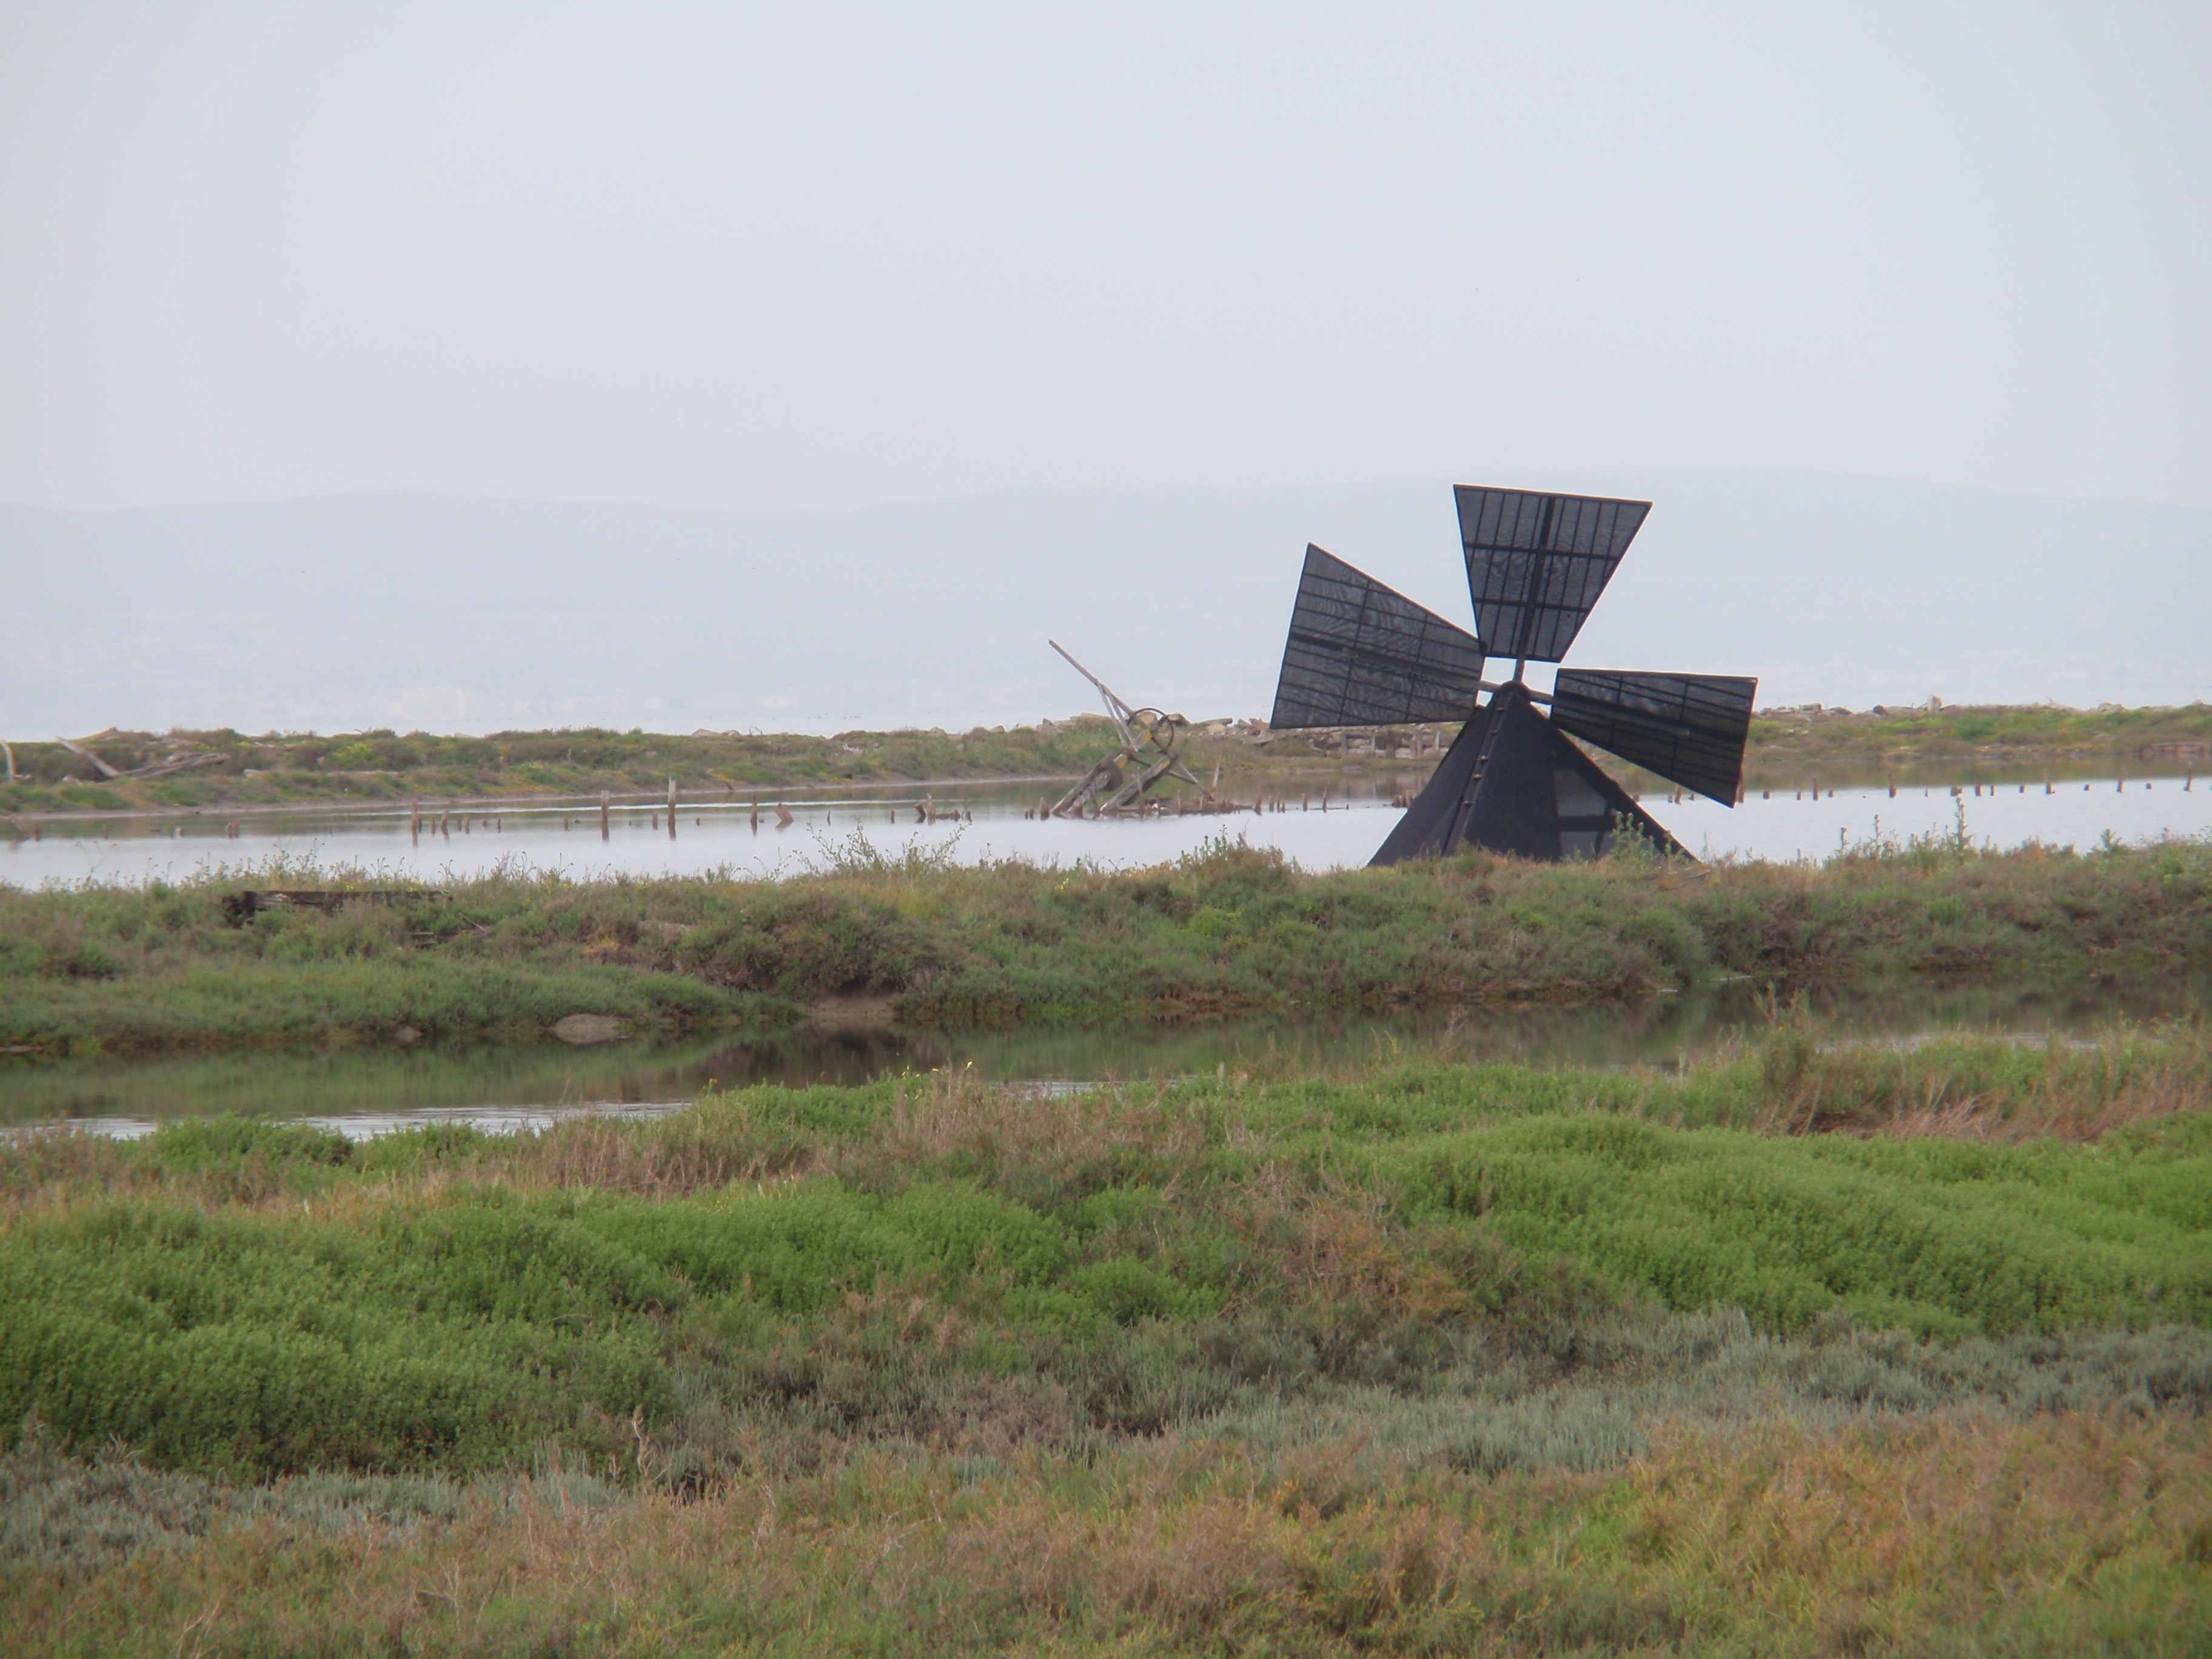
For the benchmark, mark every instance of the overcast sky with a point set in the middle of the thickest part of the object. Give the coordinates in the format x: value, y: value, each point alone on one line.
x: 817, y: 257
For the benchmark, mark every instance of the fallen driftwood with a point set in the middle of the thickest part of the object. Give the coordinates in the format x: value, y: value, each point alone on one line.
x: 158, y: 768
x: 241, y: 907
x: 162, y: 768
x: 100, y: 765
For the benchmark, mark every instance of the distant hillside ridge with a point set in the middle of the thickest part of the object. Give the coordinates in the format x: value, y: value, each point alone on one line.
x: 449, y: 613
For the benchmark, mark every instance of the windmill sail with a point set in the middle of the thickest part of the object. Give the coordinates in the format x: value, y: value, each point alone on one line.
x: 1537, y: 563
x: 1689, y: 728
x: 1364, y: 654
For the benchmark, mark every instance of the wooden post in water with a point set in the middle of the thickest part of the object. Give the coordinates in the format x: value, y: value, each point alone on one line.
x: 606, y: 800
x: 671, y: 809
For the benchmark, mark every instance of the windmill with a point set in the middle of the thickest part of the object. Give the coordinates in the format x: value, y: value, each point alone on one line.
x: 1148, y: 750
x: 1363, y: 654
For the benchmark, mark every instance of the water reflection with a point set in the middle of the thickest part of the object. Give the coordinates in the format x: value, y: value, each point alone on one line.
x: 510, y: 1085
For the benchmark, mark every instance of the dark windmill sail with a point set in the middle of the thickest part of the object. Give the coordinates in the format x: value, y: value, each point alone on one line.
x: 1690, y: 729
x: 1535, y: 564
x: 1360, y: 653
x: 1364, y: 654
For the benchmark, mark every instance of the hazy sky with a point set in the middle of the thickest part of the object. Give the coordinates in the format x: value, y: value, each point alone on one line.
x: 817, y: 256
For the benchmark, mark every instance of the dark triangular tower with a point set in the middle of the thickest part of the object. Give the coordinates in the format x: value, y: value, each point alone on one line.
x: 1510, y: 782
x: 1360, y: 653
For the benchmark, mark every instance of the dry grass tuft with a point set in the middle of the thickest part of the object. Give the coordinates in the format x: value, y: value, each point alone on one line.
x: 1873, y: 1541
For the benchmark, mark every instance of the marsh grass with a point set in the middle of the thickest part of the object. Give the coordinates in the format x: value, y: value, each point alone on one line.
x: 1233, y: 931
x: 1262, y: 1362
x: 776, y: 1273
x: 1787, y: 747
x: 2063, y: 1535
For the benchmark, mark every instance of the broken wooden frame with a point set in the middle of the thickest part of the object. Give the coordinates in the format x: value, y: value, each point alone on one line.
x: 1118, y: 786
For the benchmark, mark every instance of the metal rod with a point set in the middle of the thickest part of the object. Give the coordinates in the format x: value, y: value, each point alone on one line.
x: 1494, y: 686
x: 1118, y: 710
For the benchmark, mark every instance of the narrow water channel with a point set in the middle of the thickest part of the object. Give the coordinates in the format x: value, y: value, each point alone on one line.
x: 364, y: 1092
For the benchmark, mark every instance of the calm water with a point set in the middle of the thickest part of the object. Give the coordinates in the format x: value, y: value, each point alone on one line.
x: 723, y: 835
x: 365, y: 1091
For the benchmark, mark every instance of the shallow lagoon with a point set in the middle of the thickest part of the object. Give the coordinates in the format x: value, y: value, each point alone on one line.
x: 728, y: 835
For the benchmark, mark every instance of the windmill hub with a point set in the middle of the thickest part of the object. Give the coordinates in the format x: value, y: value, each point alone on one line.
x: 1360, y: 653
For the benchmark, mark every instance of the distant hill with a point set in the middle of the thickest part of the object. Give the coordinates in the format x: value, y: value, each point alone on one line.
x: 460, y: 613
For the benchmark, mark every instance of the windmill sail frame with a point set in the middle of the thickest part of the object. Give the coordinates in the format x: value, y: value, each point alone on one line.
x: 1360, y: 653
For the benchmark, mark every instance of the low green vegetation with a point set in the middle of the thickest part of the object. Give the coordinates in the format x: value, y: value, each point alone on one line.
x: 1789, y: 748
x: 1793, y: 747
x: 1796, y: 1345
x: 382, y: 766
x: 1801, y: 1349
x: 249, y: 1298
x: 1230, y: 931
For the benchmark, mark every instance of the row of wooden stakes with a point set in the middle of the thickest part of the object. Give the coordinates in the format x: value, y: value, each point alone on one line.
x: 1184, y: 806
x: 2049, y: 788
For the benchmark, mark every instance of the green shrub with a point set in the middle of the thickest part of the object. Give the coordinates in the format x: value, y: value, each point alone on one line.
x: 1930, y: 1235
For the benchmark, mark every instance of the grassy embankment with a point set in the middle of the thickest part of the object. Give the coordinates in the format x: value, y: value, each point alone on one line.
x: 383, y: 767
x: 1789, y: 748
x: 1233, y: 932
x: 1420, y: 1358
